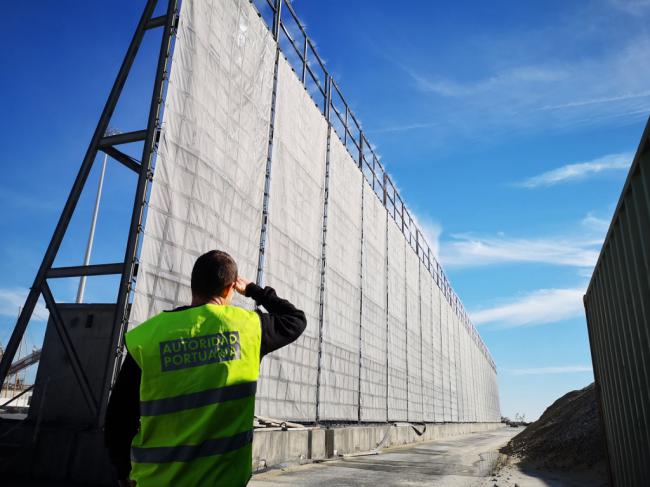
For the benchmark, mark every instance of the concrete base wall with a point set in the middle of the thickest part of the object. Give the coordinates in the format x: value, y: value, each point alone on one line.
x: 275, y: 448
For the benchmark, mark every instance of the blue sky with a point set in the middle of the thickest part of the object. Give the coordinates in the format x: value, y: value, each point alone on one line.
x: 508, y: 126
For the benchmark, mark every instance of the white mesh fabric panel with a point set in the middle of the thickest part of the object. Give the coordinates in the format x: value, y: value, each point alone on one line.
x: 472, y: 379
x: 397, y: 386
x: 339, y: 386
x: 373, y: 316
x: 208, y: 183
x: 288, y: 376
x: 459, y: 367
x: 453, y: 363
x: 479, y: 385
x: 467, y: 378
x: 438, y: 381
x: 482, y: 390
x: 414, y: 338
x: 427, y: 344
x: 460, y: 370
x: 446, y: 380
x: 463, y: 371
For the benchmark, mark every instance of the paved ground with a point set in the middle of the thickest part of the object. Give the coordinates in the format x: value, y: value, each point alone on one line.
x: 467, y: 460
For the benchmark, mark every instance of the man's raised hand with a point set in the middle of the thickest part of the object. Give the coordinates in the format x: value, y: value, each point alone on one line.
x: 240, y: 285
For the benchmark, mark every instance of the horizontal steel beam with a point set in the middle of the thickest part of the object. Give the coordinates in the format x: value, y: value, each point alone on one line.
x: 121, y: 157
x: 156, y: 22
x: 85, y: 270
x: 25, y: 362
x: 124, y: 138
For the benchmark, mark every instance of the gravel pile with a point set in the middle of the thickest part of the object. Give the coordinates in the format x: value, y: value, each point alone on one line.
x: 567, y: 436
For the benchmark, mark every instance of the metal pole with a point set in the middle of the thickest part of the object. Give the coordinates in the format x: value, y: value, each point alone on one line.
x: 91, y: 235
x: 139, y: 201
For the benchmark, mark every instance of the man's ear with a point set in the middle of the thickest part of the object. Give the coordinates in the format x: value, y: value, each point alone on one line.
x: 225, y: 291
x: 229, y: 289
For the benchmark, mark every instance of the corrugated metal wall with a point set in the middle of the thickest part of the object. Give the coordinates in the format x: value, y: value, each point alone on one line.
x: 618, y: 307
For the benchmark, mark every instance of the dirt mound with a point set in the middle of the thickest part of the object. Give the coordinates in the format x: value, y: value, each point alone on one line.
x: 568, y: 435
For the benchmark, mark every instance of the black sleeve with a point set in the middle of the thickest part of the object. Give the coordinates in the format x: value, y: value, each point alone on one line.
x: 283, y: 323
x: 123, y: 417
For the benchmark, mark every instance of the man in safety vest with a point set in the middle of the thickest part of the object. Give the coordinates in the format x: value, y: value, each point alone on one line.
x: 181, y: 412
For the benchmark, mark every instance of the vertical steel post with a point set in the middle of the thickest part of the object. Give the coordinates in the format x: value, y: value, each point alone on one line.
x: 360, y: 304
x: 139, y: 202
x: 345, y: 131
x: 323, y: 262
x: 259, y: 278
x: 304, y: 58
x: 361, y: 150
x: 277, y: 18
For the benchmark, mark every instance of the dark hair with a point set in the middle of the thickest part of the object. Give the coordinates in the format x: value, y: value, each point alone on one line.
x: 212, y: 273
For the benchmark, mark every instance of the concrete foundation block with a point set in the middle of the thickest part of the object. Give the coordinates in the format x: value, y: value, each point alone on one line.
x: 274, y: 448
x: 317, y: 448
x: 280, y: 447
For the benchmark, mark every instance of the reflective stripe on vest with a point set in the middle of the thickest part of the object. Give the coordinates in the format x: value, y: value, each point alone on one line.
x: 197, y: 396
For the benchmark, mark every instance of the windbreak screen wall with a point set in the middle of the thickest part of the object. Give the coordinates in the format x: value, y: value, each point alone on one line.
x: 382, y: 341
x: 288, y: 378
x: 339, y: 385
x: 397, y: 373
x: 209, y: 179
x: 374, y: 344
x: 437, y: 358
x: 426, y: 322
x: 413, y: 336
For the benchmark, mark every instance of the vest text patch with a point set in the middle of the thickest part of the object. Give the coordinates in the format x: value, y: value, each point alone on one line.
x: 201, y: 350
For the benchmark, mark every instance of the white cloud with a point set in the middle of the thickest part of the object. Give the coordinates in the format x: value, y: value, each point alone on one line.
x: 593, y: 101
x: 634, y: 7
x: 560, y: 369
x: 12, y: 299
x: 403, y: 128
x: 579, y: 171
x: 499, y: 81
x: 431, y: 231
x: 533, y: 89
x: 595, y: 224
x: 467, y: 250
x: 536, y: 308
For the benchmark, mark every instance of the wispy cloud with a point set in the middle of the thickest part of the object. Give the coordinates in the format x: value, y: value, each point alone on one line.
x: 532, y: 89
x: 431, y: 231
x: 467, y: 250
x: 536, y: 308
x: 594, y: 101
x: 634, y: 7
x: 11, y: 299
x: 578, y: 171
x: 559, y: 369
x: 595, y: 224
x: 403, y: 128
x: 498, y: 81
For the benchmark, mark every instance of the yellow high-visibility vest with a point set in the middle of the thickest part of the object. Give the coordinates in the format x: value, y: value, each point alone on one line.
x: 197, y: 396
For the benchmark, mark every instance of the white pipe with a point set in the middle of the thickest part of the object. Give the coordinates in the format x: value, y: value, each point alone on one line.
x: 91, y: 236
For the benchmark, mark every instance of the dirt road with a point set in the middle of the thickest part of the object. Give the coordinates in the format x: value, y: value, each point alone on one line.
x: 462, y: 461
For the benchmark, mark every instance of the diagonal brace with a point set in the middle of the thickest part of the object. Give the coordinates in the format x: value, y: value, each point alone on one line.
x: 69, y: 348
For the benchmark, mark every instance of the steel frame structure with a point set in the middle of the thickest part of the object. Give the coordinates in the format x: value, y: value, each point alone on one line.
x: 289, y: 31
x: 127, y: 269
x: 285, y: 25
